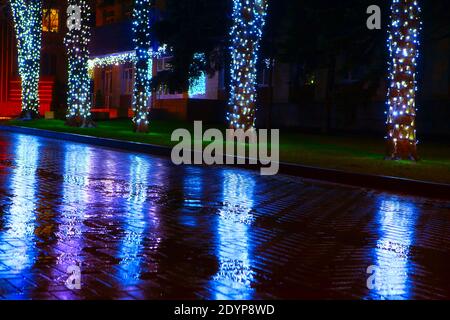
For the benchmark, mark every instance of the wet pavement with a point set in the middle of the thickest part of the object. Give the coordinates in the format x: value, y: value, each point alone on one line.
x: 138, y: 227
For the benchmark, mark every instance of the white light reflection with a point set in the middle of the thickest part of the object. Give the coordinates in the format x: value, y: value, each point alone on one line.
x: 235, y: 275
x: 135, y: 224
x: 397, y: 220
x: 192, y: 196
x: 76, y: 199
x: 18, y: 242
x: 142, y: 234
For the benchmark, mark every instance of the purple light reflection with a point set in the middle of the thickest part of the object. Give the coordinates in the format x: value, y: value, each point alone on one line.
x: 73, y: 212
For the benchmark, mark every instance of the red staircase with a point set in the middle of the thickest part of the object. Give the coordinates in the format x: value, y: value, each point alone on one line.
x: 13, y: 106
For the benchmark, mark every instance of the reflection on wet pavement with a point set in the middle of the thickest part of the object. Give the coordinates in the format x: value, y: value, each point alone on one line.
x: 235, y: 276
x: 139, y: 227
x: 396, y: 219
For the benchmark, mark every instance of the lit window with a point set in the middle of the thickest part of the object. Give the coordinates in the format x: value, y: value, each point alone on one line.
x: 50, y: 20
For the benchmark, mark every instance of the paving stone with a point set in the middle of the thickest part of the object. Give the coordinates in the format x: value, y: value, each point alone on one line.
x: 138, y: 227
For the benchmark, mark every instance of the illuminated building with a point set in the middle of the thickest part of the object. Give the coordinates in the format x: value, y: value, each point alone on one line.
x: 52, y: 67
x: 113, y: 69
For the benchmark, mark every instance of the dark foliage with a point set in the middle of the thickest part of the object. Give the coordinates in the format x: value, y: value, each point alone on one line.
x: 192, y: 27
x: 308, y: 34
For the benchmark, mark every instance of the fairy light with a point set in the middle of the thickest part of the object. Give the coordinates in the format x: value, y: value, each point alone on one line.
x: 197, y: 86
x: 115, y: 59
x: 143, y: 64
x: 403, y: 43
x: 27, y: 16
x: 79, y: 88
x: 246, y: 32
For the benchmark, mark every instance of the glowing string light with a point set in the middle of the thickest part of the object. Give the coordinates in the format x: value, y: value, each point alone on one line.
x: 143, y: 64
x: 246, y: 32
x: 403, y: 43
x: 27, y: 16
x: 197, y: 86
x: 115, y: 59
x: 79, y: 82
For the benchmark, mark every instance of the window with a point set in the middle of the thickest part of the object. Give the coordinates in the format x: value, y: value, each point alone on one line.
x: 128, y: 80
x: 107, y: 77
x: 264, y: 77
x: 108, y: 16
x: 163, y: 64
x: 50, y: 20
x: 222, y: 84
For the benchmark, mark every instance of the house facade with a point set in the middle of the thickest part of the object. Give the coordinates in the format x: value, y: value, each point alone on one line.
x: 112, y: 69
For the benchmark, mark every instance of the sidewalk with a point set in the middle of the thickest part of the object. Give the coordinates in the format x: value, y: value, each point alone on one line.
x: 393, y: 184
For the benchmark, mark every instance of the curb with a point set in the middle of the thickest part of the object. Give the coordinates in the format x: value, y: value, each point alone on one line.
x: 383, y: 183
x: 367, y: 181
x: 102, y: 142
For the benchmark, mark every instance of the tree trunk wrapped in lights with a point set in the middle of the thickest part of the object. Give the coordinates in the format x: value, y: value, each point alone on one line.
x: 27, y: 15
x: 143, y: 66
x: 79, y: 82
x: 246, y: 32
x: 403, y: 45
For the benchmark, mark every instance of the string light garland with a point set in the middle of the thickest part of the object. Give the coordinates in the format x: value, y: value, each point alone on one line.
x: 248, y: 22
x: 27, y: 16
x: 115, y: 59
x: 403, y: 44
x: 197, y: 86
x: 143, y: 64
x: 79, y: 81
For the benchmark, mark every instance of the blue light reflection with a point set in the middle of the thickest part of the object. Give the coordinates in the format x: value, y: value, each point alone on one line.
x: 397, y: 220
x: 135, y: 224
x: 235, y: 276
x: 18, y: 240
